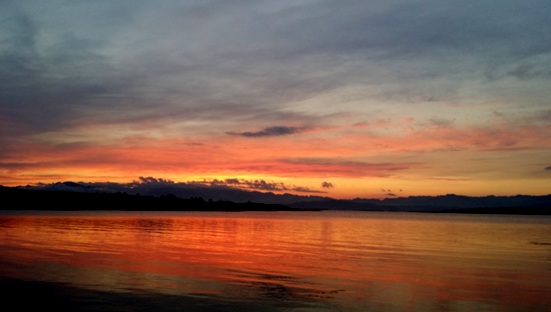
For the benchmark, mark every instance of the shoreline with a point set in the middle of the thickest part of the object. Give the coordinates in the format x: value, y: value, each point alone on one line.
x: 43, y: 200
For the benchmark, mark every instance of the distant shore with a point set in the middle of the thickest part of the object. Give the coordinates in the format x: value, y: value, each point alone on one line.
x: 26, y: 199
x: 17, y: 198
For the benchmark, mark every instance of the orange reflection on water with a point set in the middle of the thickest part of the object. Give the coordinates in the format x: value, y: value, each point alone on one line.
x: 354, y: 260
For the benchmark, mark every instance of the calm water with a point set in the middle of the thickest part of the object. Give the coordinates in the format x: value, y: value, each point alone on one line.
x: 280, y: 261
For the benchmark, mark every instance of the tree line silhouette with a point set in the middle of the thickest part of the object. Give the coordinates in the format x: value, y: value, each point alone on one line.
x: 14, y: 198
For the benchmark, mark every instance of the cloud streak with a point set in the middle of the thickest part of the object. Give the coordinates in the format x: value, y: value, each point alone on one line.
x: 269, y: 132
x: 343, y: 168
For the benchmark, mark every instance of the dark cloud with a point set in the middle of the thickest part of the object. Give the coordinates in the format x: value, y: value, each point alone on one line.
x: 130, y: 60
x: 548, y: 168
x: 327, y: 185
x: 256, y: 185
x: 302, y: 189
x: 44, y: 84
x: 271, y: 131
x: 152, y: 180
x: 388, y: 192
x: 150, y: 185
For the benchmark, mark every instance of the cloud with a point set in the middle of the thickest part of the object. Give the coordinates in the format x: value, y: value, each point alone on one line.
x: 327, y: 185
x: 388, y: 192
x: 548, y: 168
x: 256, y: 185
x: 131, y: 61
x: 271, y: 131
x: 440, y: 122
x: 342, y: 167
x: 152, y: 180
x: 152, y: 185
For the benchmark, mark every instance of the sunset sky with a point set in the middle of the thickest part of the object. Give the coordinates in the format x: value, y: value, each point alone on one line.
x: 335, y: 98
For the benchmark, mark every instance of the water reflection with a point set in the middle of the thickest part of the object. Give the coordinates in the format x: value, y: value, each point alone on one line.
x: 319, y: 260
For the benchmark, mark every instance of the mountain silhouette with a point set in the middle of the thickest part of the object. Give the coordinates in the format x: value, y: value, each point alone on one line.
x: 81, y: 196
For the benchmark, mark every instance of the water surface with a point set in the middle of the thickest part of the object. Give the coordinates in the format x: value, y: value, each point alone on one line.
x: 280, y: 261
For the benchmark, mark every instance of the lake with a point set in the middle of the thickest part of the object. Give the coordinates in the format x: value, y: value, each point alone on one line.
x: 275, y: 261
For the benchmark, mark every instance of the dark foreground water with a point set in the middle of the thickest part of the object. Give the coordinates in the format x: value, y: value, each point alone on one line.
x: 275, y: 261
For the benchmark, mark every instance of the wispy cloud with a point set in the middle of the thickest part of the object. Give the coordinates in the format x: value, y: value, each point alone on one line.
x: 343, y: 167
x: 271, y: 131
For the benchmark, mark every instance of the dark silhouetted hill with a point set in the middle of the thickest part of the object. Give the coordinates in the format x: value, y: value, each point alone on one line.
x: 181, y: 190
x: 173, y: 197
x: 519, y: 204
x: 31, y: 199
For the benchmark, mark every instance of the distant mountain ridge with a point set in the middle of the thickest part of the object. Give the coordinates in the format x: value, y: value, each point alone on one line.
x: 443, y: 203
x: 519, y: 204
x: 63, y: 200
x: 181, y: 190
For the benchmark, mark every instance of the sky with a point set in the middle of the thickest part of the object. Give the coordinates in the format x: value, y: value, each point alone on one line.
x: 343, y: 99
